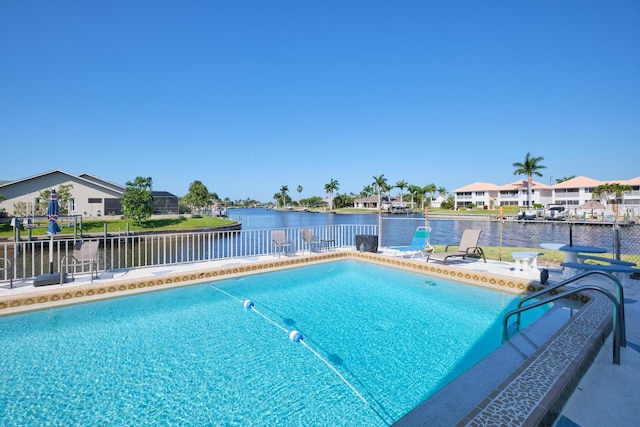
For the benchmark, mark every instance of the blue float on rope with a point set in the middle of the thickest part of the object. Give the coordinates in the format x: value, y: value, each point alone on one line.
x: 295, y: 336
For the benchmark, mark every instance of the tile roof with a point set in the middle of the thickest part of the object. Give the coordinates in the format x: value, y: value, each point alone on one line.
x: 523, y: 184
x: 477, y: 186
x: 579, y: 182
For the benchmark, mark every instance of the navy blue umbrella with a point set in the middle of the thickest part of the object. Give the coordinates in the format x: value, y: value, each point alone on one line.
x: 53, y: 209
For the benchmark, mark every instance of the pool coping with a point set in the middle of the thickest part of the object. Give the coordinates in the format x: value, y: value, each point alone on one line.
x: 529, y: 393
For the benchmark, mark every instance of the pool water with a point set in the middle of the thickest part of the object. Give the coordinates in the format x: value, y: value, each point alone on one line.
x: 376, y: 342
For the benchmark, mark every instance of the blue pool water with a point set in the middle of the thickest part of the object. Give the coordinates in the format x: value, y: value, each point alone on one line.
x: 376, y: 342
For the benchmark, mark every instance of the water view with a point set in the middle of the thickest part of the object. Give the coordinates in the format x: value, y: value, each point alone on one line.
x: 399, y: 229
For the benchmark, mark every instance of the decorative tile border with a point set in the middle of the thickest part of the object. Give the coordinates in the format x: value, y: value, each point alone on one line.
x: 71, y: 294
x: 74, y: 294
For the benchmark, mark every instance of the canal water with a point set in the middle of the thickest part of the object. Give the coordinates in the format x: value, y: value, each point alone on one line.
x: 399, y: 229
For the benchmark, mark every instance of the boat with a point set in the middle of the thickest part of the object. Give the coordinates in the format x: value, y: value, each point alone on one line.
x: 528, y: 214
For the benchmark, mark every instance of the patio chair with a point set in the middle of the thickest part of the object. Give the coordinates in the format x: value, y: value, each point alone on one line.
x: 6, y: 266
x: 280, y: 242
x: 308, y: 239
x: 420, y: 245
x: 468, y: 248
x: 84, y: 254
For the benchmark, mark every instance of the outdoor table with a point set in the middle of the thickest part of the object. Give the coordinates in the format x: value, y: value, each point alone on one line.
x: 326, y: 243
x: 571, y: 253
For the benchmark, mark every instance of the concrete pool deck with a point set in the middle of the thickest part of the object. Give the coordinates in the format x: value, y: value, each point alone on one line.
x: 606, y: 395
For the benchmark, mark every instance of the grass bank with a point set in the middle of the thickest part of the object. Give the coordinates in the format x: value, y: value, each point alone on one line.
x: 94, y: 226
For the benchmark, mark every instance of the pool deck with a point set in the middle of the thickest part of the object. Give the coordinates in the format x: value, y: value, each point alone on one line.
x: 606, y: 395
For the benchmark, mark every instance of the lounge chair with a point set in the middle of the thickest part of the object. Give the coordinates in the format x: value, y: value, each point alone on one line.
x: 419, y: 246
x: 280, y: 242
x: 84, y: 254
x: 309, y: 239
x: 468, y: 248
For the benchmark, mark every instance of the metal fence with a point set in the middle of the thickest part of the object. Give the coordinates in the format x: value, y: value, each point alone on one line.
x: 617, y: 239
x: 30, y: 259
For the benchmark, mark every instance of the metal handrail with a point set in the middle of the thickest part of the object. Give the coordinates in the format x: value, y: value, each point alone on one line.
x: 616, y: 282
x: 616, y: 315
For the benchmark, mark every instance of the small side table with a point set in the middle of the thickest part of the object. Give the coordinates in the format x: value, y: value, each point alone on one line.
x: 326, y: 243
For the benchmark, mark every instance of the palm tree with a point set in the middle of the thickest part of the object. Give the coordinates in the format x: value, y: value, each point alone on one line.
x: 401, y: 185
x: 330, y: 187
x: 299, y: 190
x: 611, y: 193
x: 431, y: 188
x: 423, y: 193
x: 529, y: 167
x: 380, y: 184
x: 367, y: 191
x: 283, y: 192
x: 414, y: 190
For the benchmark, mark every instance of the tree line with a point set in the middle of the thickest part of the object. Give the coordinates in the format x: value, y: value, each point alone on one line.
x: 380, y: 186
x: 138, y: 204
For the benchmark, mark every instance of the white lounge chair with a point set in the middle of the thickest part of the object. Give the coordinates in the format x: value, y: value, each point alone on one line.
x: 468, y: 248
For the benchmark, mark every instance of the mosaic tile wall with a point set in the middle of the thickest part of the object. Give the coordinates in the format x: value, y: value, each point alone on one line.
x: 535, y: 393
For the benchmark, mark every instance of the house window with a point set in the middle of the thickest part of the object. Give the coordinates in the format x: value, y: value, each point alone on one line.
x: 95, y: 200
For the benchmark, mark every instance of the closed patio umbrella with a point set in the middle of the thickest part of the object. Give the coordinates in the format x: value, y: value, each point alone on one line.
x: 53, y: 209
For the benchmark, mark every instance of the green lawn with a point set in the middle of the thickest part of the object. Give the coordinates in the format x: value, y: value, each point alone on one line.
x: 94, y: 226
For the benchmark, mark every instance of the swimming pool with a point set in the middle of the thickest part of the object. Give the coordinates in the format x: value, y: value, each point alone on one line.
x: 376, y: 342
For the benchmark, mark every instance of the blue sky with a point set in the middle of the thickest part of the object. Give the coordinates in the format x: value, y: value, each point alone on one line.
x: 248, y: 96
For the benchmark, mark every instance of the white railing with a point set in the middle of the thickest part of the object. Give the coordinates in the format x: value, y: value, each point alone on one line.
x: 30, y: 259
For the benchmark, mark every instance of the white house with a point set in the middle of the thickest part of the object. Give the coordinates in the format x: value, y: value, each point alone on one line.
x: 476, y: 194
x: 570, y: 193
x: 91, y: 196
